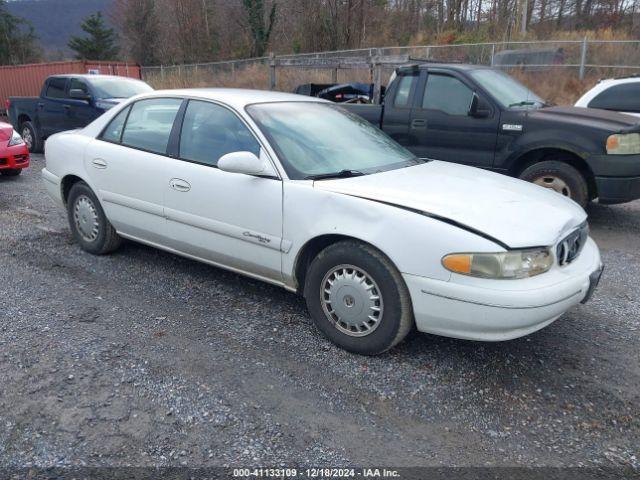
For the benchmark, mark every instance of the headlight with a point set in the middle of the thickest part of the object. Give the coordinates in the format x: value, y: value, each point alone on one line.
x: 15, y: 139
x: 623, y: 144
x: 512, y: 264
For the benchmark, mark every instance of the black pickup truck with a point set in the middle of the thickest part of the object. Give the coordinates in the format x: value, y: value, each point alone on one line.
x: 482, y: 117
x: 67, y: 102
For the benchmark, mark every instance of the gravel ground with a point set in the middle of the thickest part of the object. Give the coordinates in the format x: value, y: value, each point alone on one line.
x: 145, y: 358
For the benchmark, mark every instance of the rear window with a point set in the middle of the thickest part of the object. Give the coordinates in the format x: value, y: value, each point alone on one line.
x: 55, y: 88
x: 621, y: 98
x: 149, y: 124
x: 404, y: 89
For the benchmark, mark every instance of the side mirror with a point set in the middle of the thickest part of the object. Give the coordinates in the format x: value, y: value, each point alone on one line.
x: 79, y: 94
x: 247, y: 163
x: 479, y: 107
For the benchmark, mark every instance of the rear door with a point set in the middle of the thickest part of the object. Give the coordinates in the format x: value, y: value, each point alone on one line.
x: 231, y: 219
x: 397, y: 107
x: 52, y: 108
x: 80, y: 112
x: 128, y: 166
x: 441, y: 127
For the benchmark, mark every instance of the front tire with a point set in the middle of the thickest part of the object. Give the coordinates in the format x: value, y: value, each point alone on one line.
x: 11, y: 172
x: 88, y: 223
x: 357, y: 298
x: 560, y: 177
x: 30, y: 137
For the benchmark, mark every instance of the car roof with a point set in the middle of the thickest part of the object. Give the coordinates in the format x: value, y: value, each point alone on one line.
x: 235, y: 97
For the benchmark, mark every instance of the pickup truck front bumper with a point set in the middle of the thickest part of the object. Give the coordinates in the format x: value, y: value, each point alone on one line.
x: 617, y: 177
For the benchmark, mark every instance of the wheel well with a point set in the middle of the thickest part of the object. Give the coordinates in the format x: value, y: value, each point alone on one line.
x: 66, y: 184
x: 310, y: 250
x: 559, y: 155
x: 23, y: 118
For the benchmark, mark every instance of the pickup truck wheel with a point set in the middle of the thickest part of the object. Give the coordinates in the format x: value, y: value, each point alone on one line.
x: 560, y: 177
x: 88, y: 223
x: 11, y: 172
x: 357, y: 298
x: 30, y: 137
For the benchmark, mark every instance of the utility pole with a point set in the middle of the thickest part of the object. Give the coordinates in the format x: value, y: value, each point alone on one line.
x: 524, y: 4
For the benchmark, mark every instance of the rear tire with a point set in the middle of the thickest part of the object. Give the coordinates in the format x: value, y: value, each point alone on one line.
x: 560, y: 177
x: 11, y: 172
x: 88, y: 223
x: 30, y: 137
x: 357, y: 298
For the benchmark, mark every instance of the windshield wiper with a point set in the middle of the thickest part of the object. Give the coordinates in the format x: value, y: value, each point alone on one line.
x: 341, y: 174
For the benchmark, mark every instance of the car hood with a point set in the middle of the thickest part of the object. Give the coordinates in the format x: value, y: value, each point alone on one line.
x: 594, y: 118
x: 516, y: 213
x: 5, y: 131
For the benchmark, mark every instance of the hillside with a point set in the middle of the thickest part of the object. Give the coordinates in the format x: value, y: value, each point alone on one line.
x: 55, y: 21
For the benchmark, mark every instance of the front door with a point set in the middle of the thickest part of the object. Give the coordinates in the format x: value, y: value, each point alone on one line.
x: 441, y: 127
x: 231, y: 219
x: 80, y: 112
x: 128, y: 165
x: 52, y: 109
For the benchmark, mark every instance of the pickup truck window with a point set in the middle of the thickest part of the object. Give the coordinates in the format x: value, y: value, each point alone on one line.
x: 78, y: 84
x: 113, y: 132
x: 404, y: 88
x: 149, y: 124
x: 118, y: 87
x: 55, y: 88
x: 447, y: 94
x: 210, y: 131
x: 507, y: 91
x: 621, y: 98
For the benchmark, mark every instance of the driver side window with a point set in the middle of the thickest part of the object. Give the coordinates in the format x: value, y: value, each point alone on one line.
x: 210, y: 131
x: 447, y: 94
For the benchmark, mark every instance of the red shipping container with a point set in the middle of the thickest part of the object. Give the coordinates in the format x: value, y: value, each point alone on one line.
x: 27, y: 80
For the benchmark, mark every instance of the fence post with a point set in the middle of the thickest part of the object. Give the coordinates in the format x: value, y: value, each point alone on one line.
x: 161, y: 72
x: 583, y: 58
x: 272, y: 71
x: 493, y: 52
x: 377, y: 76
x: 334, y: 75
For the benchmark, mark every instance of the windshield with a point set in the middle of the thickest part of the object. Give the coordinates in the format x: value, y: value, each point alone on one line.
x: 507, y: 91
x: 318, y: 139
x: 118, y: 87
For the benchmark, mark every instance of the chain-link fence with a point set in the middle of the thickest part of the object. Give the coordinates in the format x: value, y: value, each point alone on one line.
x: 557, y: 70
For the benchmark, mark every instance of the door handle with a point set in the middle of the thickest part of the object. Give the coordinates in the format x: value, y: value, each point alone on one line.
x: 66, y: 107
x: 40, y: 105
x: 418, y: 123
x: 179, y: 185
x: 99, y: 163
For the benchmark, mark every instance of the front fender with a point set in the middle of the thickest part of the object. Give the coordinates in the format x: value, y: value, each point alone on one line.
x: 581, y: 146
x: 415, y: 243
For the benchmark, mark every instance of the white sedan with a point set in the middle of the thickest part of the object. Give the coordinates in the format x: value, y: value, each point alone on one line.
x: 299, y: 193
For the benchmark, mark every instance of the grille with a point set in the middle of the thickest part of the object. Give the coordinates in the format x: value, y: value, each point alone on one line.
x: 570, y: 246
x: 3, y: 161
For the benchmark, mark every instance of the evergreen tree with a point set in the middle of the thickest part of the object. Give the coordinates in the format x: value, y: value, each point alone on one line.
x: 259, y: 27
x: 17, y: 39
x: 101, y: 42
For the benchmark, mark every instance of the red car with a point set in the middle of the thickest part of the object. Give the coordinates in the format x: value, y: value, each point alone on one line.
x: 14, y: 154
